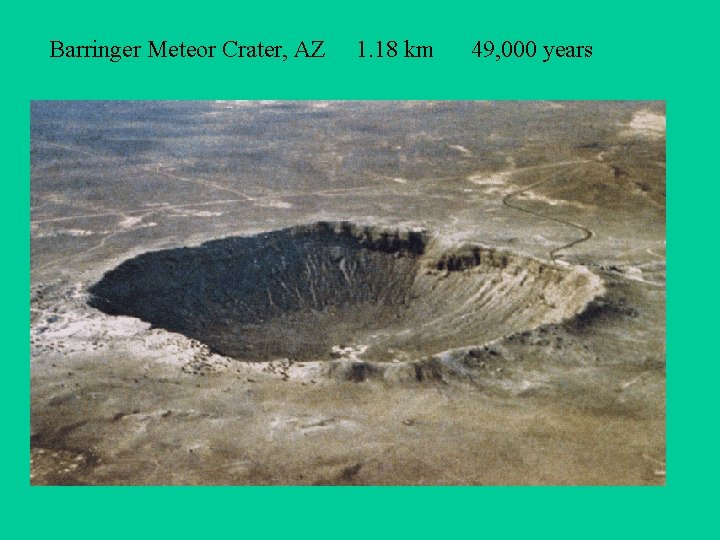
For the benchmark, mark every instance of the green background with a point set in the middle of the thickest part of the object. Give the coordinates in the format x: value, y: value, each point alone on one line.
x: 641, y: 50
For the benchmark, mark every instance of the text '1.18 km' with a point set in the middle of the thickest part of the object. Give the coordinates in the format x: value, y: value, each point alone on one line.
x: 393, y: 49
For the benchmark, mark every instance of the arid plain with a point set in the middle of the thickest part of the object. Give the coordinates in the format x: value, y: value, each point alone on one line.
x: 311, y: 293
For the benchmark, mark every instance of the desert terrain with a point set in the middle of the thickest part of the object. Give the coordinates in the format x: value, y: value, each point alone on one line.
x: 347, y: 293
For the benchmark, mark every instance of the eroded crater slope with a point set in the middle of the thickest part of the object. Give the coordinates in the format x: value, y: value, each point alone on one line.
x: 299, y: 292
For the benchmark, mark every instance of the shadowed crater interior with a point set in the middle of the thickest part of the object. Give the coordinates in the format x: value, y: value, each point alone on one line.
x: 296, y: 293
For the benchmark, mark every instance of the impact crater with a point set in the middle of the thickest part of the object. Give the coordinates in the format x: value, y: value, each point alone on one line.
x: 306, y: 291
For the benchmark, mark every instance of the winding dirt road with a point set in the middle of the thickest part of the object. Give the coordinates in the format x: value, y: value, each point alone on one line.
x: 553, y: 253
